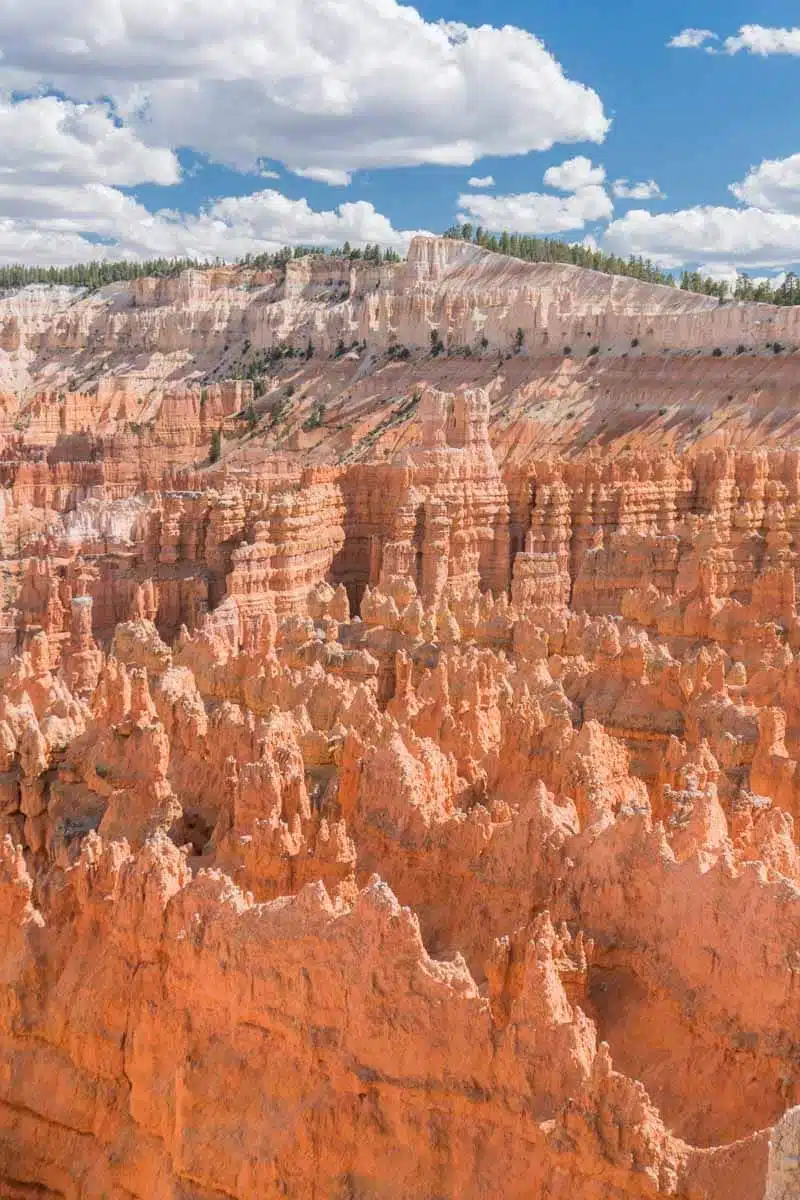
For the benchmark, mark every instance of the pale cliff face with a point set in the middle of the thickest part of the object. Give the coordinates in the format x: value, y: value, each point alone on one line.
x: 151, y: 331
x: 404, y: 804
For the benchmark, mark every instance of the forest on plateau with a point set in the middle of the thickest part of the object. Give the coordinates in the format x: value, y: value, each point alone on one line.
x: 552, y: 250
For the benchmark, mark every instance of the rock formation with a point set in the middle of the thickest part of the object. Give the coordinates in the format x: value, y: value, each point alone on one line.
x: 400, y: 800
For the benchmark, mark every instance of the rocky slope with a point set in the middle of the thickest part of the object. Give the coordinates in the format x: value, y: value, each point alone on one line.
x: 403, y: 805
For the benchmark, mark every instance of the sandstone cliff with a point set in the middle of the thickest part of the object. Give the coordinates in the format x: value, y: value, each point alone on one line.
x: 404, y: 803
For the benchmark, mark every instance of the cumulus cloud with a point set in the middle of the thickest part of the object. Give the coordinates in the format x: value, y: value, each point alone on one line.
x: 54, y: 229
x: 747, y: 237
x: 47, y: 140
x: 574, y: 174
x: 323, y: 175
x: 306, y: 84
x: 690, y: 39
x: 753, y: 39
x: 764, y: 233
x: 774, y: 185
x: 539, y: 212
x: 727, y: 273
x: 764, y: 40
x: 536, y: 212
x: 623, y: 189
x: 481, y: 181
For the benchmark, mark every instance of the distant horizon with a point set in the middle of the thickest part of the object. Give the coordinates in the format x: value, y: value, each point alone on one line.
x: 200, y: 130
x: 100, y: 272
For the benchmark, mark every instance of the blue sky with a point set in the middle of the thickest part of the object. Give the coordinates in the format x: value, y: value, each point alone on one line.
x: 209, y: 127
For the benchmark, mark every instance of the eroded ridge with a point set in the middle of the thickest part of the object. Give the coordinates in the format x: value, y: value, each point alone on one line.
x: 417, y: 826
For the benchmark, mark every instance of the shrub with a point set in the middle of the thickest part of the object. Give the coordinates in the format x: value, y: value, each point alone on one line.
x: 594, y: 350
x: 317, y: 417
x: 716, y: 352
x: 634, y: 342
x: 519, y: 339
x: 567, y: 351
x: 215, y: 450
x: 310, y: 349
x: 437, y: 345
x: 741, y: 348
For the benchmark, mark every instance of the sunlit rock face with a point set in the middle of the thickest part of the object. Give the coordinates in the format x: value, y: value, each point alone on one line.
x: 398, y: 751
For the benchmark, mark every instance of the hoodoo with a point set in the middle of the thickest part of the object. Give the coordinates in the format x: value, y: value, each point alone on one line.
x: 400, y: 740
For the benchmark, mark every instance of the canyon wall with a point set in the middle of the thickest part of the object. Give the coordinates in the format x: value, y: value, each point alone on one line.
x: 399, y: 752
x: 134, y: 338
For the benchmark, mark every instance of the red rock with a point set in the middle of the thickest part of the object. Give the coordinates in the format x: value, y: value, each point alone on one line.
x: 406, y: 803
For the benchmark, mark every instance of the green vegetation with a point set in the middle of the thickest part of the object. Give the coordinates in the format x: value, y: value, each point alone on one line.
x: 215, y: 450
x: 94, y: 275
x: 279, y: 410
x: 317, y: 417
x: 551, y: 250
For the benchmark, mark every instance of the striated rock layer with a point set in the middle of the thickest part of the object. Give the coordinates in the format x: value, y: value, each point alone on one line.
x: 402, y: 804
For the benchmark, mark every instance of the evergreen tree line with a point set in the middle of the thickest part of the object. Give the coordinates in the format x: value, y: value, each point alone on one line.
x: 785, y: 293
x: 93, y: 275
x: 551, y: 250
x: 370, y: 253
x: 98, y: 274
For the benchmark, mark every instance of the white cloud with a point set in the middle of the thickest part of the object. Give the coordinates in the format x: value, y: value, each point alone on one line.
x: 323, y: 175
x: 58, y: 162
x: 774, y: 185
x: 574, y: 174
x: 720, y: 272
x: 46, y: 140
x: 51, y: 231
x: 323, y: 87
x: 690, y: 39
x: 764, y: 40
x: 481, y: 181
x: 748, y: 237
x: 623, y: 189
x: 536, y: 212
